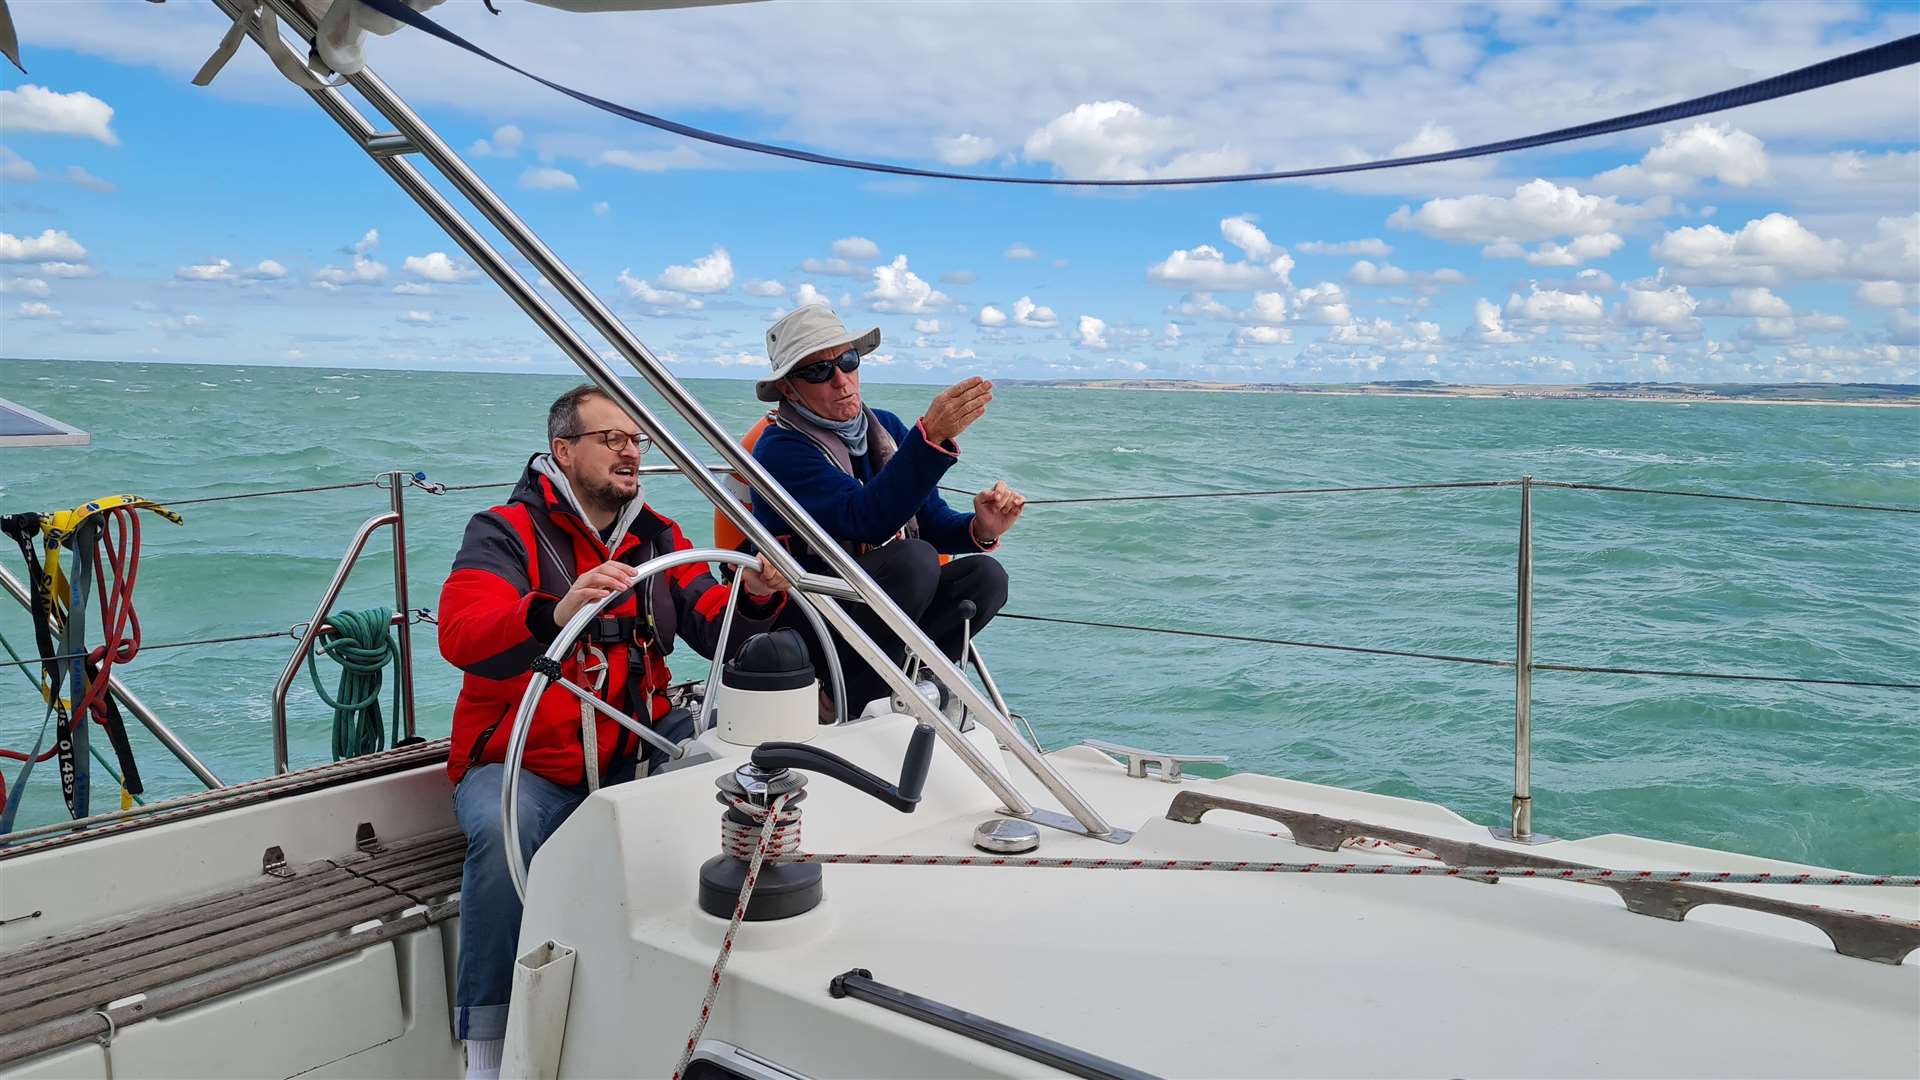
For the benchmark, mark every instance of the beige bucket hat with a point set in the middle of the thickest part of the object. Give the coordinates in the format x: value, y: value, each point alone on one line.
x: 801, y: 333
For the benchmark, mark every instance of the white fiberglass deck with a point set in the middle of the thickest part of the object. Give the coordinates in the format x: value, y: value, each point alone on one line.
x: 1189, y: 973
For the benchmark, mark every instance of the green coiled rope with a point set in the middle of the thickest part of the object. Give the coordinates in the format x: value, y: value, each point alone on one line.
x: 362, y: 644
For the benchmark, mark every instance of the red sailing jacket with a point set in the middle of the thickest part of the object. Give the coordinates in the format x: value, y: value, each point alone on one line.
x: 496, y: 616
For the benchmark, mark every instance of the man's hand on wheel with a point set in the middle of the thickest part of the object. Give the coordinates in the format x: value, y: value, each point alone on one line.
x: 765, y: 580
x: 601, y: 581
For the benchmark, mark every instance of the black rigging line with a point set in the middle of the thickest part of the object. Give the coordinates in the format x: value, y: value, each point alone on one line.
x: 1871, y: 61
x: 1483, y: 661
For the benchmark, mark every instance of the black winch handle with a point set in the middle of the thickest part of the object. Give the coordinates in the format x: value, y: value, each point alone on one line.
x: 903, y: 796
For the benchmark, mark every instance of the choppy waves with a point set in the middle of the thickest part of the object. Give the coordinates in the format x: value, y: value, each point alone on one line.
x: 1825, y: 775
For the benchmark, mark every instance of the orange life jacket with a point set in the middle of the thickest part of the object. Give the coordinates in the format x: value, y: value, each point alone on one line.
x: 725, y: 533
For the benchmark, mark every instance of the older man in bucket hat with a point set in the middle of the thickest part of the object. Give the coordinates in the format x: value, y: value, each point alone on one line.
x: 873, y: 483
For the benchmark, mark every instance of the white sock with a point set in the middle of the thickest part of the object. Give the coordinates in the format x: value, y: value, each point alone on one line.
x: 483, y: 1058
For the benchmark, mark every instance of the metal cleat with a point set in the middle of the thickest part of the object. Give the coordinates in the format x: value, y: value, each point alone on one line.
x: 1138, y: 759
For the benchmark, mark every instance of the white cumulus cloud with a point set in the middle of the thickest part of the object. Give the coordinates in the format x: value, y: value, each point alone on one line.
x: 34, y: 309
x: 219, y: 270
x: 548, y: 178
x: 364, y: 271
x: 1091, y: 333
x: 1580, y: 249
x: 1670, y: 308
x: 1766, y: 251
x: 506, y: 142
x: 990, y: 316
x: 1037, y: 316
x: 1367, y: 273
x: 41, y: 111
x: 642, y: 290
x: 1754, y: 303
x: 52, y: 244
x: 852, y: 256
x: 1894, y: 251
x: 1324, y: 303
x: 1242, y: 233
x: 1116, y: 140
x: 857, y: 248
x: 1552, y: 305
x: 1488, y: 327
x: 1539, y: 210
x: 711, y: 273
x: 1263, y: 335
x: 1886, y: 294
x: 898, y: 289
x: 964, y: 149
x: 1018, y: 250
x: 1207, y: 268
x: 1269, y: 309
x: 764, y: 287
x: 1707, y: 150
x: 438, y: 266
x: 25, y: 286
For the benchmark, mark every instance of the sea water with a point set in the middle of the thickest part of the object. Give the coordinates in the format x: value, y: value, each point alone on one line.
x: 1822, y: 774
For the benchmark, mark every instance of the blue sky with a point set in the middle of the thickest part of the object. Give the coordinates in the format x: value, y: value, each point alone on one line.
x: 144, y: 218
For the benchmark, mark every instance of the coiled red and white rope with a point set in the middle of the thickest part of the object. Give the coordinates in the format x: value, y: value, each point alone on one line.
x: 1245, y: 866
x: 774, y: 819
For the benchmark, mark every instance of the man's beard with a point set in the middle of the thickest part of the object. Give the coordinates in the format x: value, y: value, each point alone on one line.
x: 601, y: 495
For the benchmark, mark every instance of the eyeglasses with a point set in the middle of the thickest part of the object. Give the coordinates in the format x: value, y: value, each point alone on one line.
x: 822, y: 370
x: 616, y: 439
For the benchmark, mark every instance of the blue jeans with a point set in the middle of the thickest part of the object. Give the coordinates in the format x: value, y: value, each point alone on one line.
x: 489, y: 908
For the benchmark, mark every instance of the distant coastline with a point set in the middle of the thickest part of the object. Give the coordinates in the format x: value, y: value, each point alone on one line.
x: 1868, y: 395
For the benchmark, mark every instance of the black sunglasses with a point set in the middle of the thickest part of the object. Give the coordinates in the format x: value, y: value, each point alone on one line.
x: 822, y: 370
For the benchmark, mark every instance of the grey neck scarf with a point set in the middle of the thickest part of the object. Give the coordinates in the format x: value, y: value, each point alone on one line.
x: 852, y: 432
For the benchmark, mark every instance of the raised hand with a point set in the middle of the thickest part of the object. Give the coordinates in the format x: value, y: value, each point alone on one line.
x: 956, y: 407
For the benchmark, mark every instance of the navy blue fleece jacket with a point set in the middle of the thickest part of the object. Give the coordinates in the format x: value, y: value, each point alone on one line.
x: 872, y: 508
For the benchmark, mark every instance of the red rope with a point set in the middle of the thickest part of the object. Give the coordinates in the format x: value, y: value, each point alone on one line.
x: 119, y: 623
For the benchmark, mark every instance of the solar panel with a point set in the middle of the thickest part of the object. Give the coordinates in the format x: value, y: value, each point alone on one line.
x: 21, y: 426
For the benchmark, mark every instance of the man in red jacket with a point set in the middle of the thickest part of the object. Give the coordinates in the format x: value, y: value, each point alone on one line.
x: 571, y: 534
